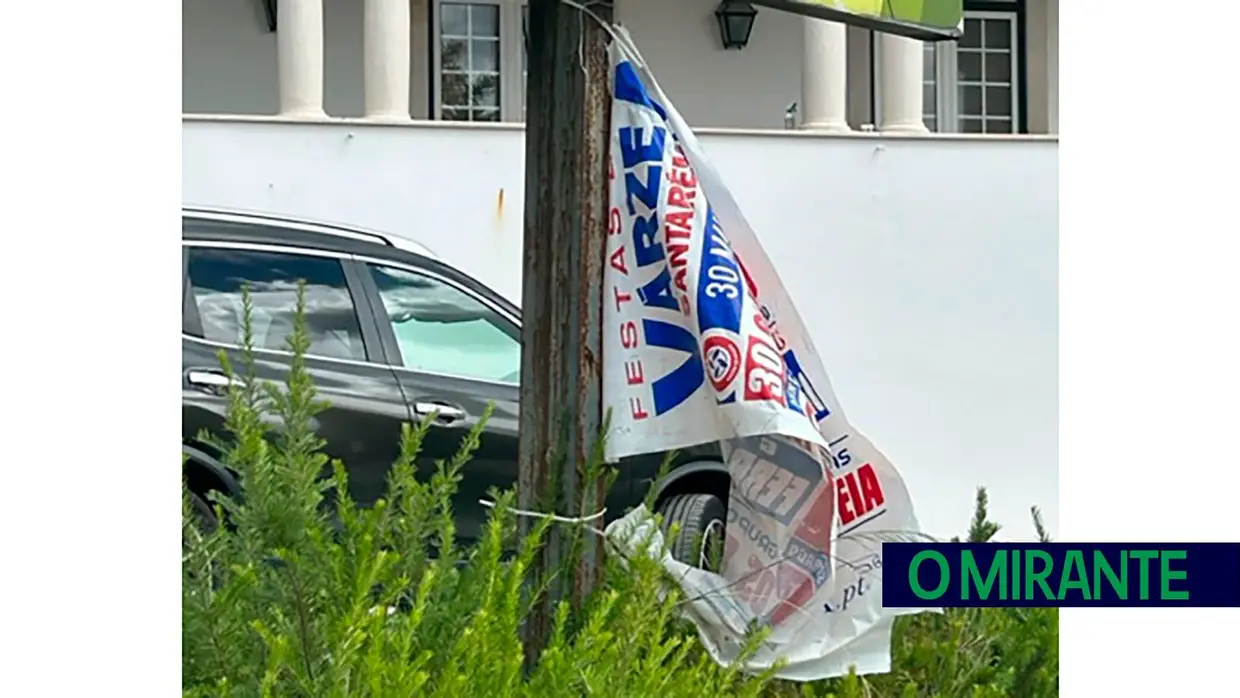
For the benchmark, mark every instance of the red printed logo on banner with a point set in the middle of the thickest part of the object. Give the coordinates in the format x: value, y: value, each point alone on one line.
x: 764, y: 372
x: 796, y: 589
x: 723, y: 361
x: 780, y: 589
x: 860, y: 494
x: 815, y: 527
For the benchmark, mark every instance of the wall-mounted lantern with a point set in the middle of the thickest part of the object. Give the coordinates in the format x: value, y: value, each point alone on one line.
x: 269, y: 13
x: 735, y: 22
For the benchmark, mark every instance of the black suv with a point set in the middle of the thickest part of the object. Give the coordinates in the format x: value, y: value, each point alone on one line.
x: 396, y: 334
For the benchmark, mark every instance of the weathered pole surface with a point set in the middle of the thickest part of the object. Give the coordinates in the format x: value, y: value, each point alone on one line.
x: 568, y: 110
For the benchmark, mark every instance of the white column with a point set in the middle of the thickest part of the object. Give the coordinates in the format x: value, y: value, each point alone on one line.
x: 900, y: 63
x: 824, y: 75
x: 299, y: 55
x: 385, y: 56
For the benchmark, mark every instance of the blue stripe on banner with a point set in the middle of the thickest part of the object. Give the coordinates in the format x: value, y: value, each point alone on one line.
x: 629, y: 88
x: 798, y: 374
x: 634, y: 149
x: 976, y: 575
x: 720, y: 290
x: 657, y: 293
x: 674, y: 388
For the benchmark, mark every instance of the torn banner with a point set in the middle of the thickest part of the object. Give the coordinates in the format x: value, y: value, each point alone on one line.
x: 702, y: 344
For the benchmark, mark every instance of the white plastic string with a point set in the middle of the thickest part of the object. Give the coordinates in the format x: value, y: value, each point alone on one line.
x: 609, y: 27
x: 580, y: 520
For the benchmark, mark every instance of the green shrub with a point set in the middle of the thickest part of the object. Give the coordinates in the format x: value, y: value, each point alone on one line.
x: 280, y: 602
x: 284, y: 601
x: 968, y: 652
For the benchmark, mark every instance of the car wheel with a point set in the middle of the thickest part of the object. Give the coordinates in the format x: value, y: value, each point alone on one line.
x: 201, y: 513
x: 202, y: 523
x: 701, y: 519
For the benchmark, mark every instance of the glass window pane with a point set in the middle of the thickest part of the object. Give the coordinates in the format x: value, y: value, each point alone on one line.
x: 484, y: 20
x: 486, y: 115
x: 484, y: 55
x: 453, y: 114
x: 971, y: 100
x: 454, y: 89
x: 997, y: 33
x: 218, y: 275
x: 970, y: 125
x: 441, y: 329
x: 969, y: 66
x: 454, y: 54
x: 972, y: 37
x: 998, y: 101
x: 453, y: 19
x: 485, y: 91
x: 929, y: 104
x: 998, y: 67
x: 932, y: 122
x: 929, y: 62
x: 998, y: 125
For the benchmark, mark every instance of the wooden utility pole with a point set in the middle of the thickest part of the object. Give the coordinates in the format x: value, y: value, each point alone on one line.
x: 568, y: 109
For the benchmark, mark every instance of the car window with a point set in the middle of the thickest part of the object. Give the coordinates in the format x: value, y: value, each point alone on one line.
x: 441, y: 329
x: 216, y: 278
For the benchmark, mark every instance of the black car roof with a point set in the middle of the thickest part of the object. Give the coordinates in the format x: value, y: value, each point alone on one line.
x: 262, y: 232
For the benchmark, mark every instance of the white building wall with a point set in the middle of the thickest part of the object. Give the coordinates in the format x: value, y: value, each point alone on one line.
x: 711, y: 87
x: 229, y: 61
x: 228, y: 58
x: 926, y: 267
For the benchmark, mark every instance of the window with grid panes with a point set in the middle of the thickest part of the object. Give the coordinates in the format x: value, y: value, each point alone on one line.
x: 985, y: 75
x: 469, y: 61
x: 971, y: 85
x: 479, y: 56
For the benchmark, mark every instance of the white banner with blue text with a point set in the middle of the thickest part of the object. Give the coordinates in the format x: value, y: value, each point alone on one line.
x: 703, y: 345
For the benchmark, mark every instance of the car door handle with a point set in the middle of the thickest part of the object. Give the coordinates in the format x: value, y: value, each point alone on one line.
x: 215, y: 380
x: 443, y: 413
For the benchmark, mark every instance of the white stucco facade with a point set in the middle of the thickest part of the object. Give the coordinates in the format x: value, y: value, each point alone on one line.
x: 231, y: 66
x: 926, y: 267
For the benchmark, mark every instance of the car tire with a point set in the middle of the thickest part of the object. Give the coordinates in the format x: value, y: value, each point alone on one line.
x: 203, y: 513
x: 702, y: 520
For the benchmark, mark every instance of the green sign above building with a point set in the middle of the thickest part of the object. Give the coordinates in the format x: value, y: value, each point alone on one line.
x: 928, y: 20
